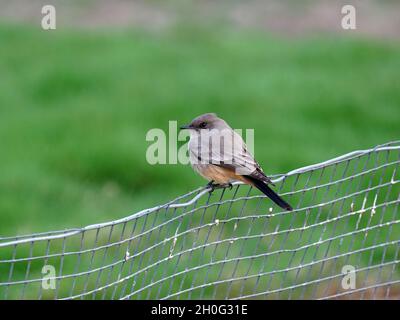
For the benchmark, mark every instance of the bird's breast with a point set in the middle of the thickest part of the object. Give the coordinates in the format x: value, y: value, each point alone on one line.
x: 215, y: 173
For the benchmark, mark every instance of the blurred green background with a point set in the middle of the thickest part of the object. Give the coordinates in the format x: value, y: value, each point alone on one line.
x: 76, y: 106
x: 76, y: 103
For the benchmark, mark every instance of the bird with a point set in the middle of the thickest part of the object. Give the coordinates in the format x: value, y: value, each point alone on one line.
x: 219, y: 154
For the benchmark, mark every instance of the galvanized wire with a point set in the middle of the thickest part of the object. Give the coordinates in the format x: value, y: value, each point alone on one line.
x: 232, y: 243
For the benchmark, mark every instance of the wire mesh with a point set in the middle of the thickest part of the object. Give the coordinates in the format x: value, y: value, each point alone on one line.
x: 232, y: 243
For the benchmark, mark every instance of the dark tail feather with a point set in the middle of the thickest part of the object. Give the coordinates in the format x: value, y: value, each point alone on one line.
x: 262, y: 186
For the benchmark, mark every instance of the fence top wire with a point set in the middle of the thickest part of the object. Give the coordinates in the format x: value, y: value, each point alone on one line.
x: 196, y: 194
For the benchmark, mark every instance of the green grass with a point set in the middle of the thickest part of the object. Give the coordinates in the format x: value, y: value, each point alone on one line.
x: 75, y: 108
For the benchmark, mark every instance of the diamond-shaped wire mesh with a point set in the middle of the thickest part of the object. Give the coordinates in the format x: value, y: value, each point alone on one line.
x: 233, y: 243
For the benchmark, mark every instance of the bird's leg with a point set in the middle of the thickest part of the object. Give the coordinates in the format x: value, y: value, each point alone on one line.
x: 214, y: 186
x: 211, y: 185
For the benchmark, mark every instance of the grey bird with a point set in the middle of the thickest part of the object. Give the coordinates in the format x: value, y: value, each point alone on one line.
x: 220, y: 155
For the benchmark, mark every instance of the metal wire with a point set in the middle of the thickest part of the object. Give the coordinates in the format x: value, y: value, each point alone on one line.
x: 233, y: 243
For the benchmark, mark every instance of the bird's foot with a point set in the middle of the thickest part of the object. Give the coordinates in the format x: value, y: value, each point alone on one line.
x: 214, y: 186
x: 210, y: 184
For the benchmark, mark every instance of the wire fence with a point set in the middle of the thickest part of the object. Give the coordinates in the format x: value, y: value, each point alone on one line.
x: 232, y: 243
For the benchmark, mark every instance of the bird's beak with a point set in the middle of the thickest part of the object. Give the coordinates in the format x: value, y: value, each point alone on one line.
x: 187, y: 126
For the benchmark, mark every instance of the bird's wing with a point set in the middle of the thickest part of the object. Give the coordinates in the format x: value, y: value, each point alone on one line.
x: 228, y: 150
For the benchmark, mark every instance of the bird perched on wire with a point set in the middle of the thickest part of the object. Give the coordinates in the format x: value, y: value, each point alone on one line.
x: 220, y: 155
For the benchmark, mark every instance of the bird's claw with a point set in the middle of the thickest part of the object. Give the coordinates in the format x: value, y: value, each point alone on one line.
x: 214, y: 186
x: 211, y: 185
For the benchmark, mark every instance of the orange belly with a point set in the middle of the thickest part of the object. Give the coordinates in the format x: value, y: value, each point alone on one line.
x: 217, y: 174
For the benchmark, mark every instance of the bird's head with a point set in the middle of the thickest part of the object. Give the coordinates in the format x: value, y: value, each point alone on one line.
x: 206, y: 121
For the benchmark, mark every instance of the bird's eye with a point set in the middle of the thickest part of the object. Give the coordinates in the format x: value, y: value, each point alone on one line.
x: 203, y: 125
